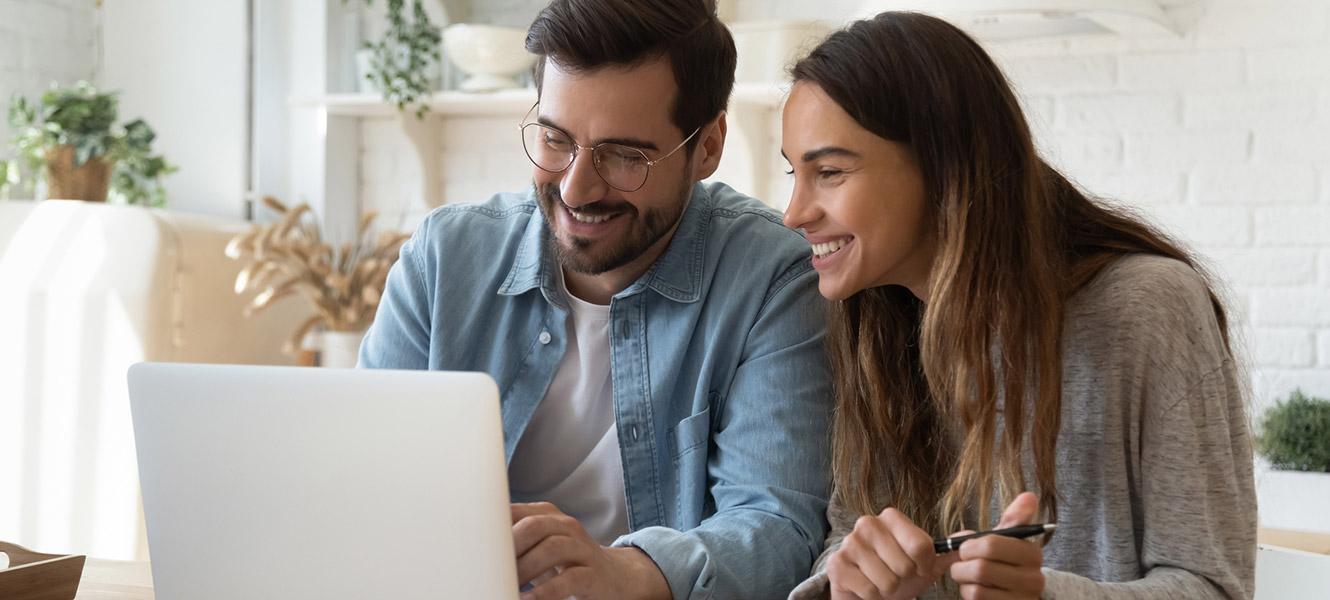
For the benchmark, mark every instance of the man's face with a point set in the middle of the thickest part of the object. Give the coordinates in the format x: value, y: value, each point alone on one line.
x: 597, y: 228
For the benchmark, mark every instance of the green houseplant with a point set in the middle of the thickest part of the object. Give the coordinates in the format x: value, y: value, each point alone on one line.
x: 1295, y: 434
x: 402, y: 59
x: 70, y: 139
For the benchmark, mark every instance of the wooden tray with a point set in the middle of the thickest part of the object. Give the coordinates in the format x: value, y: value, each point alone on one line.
x: 35, y: 576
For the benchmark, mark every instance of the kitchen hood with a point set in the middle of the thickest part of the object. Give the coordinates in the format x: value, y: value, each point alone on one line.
x: 1002, y: 20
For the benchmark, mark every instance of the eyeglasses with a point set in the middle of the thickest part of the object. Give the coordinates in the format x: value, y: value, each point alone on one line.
x: 624, y: 168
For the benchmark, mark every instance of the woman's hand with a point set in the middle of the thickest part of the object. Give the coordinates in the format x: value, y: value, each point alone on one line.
x: 994, y: 566
x: 885, y: 557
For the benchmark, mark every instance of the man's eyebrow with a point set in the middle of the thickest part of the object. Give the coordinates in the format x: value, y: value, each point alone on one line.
x: 623, y: 141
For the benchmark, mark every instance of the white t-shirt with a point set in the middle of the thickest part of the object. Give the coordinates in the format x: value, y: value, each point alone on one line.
x: 569, y: 453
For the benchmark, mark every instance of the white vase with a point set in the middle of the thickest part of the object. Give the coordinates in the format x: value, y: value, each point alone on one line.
x: 492, y: 57
x: 340, y: 349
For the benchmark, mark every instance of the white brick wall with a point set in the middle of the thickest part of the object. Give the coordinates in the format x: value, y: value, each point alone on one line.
x: 1221, y: 135
x: 1323, y: 348
x: 1181, y: 70
x: 42, y: 41
x: 1292, y: 347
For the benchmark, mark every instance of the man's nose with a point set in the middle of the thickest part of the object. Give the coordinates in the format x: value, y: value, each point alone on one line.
x: 581, y: 184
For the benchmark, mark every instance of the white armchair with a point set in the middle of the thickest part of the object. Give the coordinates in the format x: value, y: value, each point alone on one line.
x: 85, y: 291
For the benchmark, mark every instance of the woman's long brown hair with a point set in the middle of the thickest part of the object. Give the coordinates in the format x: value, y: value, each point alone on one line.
x: 932, y: 400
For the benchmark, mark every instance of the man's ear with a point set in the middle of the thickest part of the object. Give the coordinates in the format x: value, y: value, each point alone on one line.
x: 706, y: 156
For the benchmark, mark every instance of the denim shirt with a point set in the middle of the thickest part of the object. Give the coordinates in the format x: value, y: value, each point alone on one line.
x: 721, y: 385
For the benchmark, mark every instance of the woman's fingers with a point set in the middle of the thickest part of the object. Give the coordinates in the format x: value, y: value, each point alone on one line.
x: 1011, y: 551
x: 979, y: 592
x: 882, y: 539
x: 1021, y: 511
x: 998, y: 575
x: 847, y: 581
x: 862, y: 552
x: 913, y: 543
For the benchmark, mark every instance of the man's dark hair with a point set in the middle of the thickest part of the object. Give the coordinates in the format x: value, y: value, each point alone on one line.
x: 585, y: 35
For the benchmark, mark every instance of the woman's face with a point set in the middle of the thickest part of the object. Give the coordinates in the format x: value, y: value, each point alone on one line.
x: 858, y: 197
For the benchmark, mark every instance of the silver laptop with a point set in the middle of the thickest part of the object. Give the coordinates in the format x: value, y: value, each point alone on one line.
x: 303, y: 483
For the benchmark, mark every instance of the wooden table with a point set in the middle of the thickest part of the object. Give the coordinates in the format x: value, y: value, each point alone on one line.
x: 115, y: 580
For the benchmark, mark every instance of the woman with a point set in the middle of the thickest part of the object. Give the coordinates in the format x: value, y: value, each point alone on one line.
x: 965, y: 272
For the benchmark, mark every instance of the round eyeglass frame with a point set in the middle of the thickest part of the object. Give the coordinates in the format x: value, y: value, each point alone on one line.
x: 578, y: 148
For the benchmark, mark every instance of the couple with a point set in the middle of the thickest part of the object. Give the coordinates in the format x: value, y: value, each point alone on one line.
x: 680, y: 402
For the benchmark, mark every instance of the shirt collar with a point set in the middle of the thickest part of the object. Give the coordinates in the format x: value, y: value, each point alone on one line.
x: 676, y: 275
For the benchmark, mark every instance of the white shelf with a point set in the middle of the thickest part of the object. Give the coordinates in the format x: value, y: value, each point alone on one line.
x: 447, y: 104
x: 751, y: 107
x: 503, y: 102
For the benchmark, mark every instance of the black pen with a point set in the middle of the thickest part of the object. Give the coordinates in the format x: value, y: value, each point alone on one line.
x: 945, y: 545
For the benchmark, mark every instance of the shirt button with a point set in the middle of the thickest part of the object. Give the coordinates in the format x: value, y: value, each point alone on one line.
x: 633, y: 430
x: 544, y: 337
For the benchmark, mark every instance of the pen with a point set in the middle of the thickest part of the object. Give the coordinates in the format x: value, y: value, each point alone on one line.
x: 945, y: 545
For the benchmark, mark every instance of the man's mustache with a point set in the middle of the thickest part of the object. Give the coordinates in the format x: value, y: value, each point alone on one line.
x: 551, y: 195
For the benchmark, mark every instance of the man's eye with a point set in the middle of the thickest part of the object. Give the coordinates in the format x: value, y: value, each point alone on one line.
x: 621, y: 156
x: 556, y: 142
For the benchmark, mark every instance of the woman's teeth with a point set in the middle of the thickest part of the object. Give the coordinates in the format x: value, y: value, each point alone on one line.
x: 828, y: 248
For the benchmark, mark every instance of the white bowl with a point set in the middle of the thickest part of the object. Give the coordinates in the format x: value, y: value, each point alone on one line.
x: 491, y: 56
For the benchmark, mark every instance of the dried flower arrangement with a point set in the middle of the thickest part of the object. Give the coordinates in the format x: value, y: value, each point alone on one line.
x: 344, y: 284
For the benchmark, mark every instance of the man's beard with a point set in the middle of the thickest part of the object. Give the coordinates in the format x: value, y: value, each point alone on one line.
x: 644, y: 230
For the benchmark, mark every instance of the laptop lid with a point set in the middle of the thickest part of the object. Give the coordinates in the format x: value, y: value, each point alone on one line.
x: 303, y: 483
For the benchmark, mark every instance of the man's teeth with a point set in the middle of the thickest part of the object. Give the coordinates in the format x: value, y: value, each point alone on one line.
x: 581, y: 218
x: 826, y: 249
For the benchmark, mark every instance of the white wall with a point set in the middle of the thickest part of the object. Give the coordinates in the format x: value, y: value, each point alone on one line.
x: 43, y: 41
x: 182, y: 67
x: 1221, y: 135
x: 1224, y: 137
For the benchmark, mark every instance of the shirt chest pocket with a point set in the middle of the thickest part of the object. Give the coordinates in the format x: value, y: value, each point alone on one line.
x: 690, y: 434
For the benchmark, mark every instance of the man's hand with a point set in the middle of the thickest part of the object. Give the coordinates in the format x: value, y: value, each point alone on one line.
x: 547, y: 540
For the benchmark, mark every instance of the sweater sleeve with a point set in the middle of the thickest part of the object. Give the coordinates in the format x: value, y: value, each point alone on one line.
x: 1151, y: 375
x: 1198, y: 534
x: 1197, y: 538
x: 818, y: 586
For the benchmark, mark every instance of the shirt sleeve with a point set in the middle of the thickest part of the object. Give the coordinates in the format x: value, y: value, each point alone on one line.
x: 399, y: 338
x: 768, y: 474
x: 1198, y: 533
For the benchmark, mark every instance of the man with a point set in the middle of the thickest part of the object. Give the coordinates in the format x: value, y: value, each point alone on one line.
x: 657, y: 342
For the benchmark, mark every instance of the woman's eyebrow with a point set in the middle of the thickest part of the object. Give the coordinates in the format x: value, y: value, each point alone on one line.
x: 824, y: 151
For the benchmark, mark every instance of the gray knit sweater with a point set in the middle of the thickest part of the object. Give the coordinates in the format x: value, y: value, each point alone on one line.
x: 1154, y: 464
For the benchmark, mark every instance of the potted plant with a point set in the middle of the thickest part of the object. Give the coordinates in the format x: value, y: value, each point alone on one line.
x: 400, y: 62
x: 70, y: 140
x: 1294, y: 439
x: 343, y: 284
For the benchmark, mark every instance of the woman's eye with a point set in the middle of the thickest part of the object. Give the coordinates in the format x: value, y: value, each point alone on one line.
x: 830, y: 173
x: 789, y: 171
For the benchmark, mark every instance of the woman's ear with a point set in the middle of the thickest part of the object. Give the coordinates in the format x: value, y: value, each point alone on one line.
x: 706, y: 155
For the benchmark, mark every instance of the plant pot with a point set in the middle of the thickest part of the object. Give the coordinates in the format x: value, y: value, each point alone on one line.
x: 1293, y: 499
x: 340, y: 349
x: 64, y: 181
